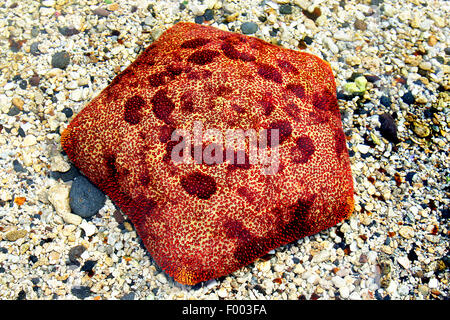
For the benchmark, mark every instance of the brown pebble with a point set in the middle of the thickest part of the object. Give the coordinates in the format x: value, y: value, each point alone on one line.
x: 118, y: 216
x: 102, y: 12
x: 360, y: 25
x: 34, y: 80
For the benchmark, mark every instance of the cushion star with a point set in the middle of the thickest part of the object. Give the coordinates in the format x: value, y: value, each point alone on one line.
x: 199, y: 220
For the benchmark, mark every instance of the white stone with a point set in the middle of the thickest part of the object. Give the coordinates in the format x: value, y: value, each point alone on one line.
x: 88, y: 228
x: 321, y: 256
x: 433, y: 283
x: 344, y: 292
x: 363, y: 148
x: 59, y: 164
x: 222, y: 292
x: 338, y: 281
x: 72, y: 85
x: 29, y: 140
x: 76, y: 95
x: 312, y: 278
x: 404, y: 262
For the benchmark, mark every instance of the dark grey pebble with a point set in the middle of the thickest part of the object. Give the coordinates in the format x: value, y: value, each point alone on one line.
x: 13, y: 111
x: 85, y: 199
x: 447, y: 51
x: 75, y: 253
x: 128, y: 296
x: 35, y: 31
x: 249, y: 27
x: 23, y: 84
x: 68, y: 31
x: 81, y: 292
x: 60, y: 60
x: 408, y: 98
x: 199, y: 19
x: 18, y: 166
x: 385, y: 101
x: 388, y: 128
x: 285, y: 9
x: 34, y: 49
x: 21, y: 132
x: 208, y: 15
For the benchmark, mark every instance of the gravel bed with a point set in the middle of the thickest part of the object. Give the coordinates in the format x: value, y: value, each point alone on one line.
x: 391, y: 62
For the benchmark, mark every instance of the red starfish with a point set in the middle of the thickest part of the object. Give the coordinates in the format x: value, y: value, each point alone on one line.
x: 200, y: 221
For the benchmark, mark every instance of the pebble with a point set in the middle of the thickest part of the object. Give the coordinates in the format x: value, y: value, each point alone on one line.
x: 344, y: 292
x: 85, y: 198
x: 101, y: 12
x: 249, y: 27
x: 285, y: 9
x: 388, y: 127
x: 17, y: 102
x: 13, y: 111
x: 81, y: 292
x: 404, y: 262
x: 88, y: 228
x: 29, y: 140
x: 406, y: 232
x: 433, y: 283
x: 408, y: 98
x: 61, y: 60
x: 76, y: 252
x: 15, y: 235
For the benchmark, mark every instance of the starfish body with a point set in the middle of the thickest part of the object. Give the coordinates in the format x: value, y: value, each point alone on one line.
x: 200, y: 221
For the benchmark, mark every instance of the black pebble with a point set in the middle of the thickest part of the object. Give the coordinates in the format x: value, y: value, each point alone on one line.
x: 88, y: 265
x: 385, y: 101
x: 199, y: 19
x: 60, y: 60
x: 68, y: 112
x: 295, y: 260
x: 447, y: 51
x: 35, y: 280
x: 21, y: 132
x: 75, y: 253
x: 412, y: 255
x: 308, y: 40
x: 208, y: 15
x: 408, y: 98
x: 22, y: 295
x: 285, y: 9
x: 23, y: 84
x: 85, y: 199
x: 16, y: 78
x: 388, y: 128
x: 409, y: 177
x: 3, y: 250
x: 18, y: 166
x: 262, y: 18
x: 81, y: 292
x: 33, y: 258
x: 2, y: 270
